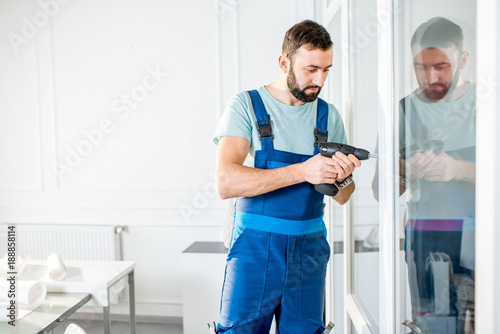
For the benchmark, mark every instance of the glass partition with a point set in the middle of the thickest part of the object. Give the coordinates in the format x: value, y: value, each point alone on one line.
x: 364, y: 99
x: 435, y: 90
x: 416, y: 241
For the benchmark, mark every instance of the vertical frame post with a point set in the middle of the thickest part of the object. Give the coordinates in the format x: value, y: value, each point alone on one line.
x: 388, y: 188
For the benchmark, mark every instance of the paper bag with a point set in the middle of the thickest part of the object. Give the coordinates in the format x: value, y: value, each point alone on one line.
x: 440, y: 268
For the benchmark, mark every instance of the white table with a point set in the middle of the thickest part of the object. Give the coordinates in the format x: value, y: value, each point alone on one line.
x: 55, y: 309
x: 94, y: 277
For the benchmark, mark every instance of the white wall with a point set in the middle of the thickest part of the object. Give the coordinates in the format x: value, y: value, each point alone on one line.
x: 130, y: 147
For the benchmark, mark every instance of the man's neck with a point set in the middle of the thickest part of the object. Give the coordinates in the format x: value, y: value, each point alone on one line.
x: 279, y: 90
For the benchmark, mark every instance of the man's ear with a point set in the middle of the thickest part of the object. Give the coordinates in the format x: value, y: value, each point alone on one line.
x: 284, y: 63
x: 463, y: 59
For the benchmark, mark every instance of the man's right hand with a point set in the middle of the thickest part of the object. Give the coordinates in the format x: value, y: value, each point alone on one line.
x: 415, y: 166
x: 319, y: 170
x: 441, y: 167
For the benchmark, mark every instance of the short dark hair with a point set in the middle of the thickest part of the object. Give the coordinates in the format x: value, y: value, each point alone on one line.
x: 306, y: 32
x: 438, y: 32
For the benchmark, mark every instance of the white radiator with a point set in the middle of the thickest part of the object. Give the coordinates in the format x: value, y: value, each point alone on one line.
x: 71, y: 242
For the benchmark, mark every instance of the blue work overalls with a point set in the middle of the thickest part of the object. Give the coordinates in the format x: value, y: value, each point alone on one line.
x: 277, y: 262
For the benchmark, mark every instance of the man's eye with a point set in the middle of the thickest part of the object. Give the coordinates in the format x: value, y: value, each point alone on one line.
x: 441, y: 67
x: 311, y: 70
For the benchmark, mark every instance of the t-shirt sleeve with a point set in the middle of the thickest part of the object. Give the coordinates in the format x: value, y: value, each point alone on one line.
x: 235, y: 120
x: 336, y: 130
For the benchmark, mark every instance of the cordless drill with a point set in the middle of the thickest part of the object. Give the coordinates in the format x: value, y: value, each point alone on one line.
x: 328, y: 150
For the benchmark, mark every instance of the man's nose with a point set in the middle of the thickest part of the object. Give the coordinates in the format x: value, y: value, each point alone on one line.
x: 431, y: 75
x: 320, y: 78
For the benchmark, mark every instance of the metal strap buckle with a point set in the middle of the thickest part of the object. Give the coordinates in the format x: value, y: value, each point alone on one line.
x: 320, y: 136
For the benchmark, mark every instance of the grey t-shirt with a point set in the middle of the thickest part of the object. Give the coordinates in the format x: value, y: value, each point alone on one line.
x: 293, y: 126
x: 453, y: 123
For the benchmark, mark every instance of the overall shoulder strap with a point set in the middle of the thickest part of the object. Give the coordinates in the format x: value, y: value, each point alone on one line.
x: 418, y: 129
x: 263, y: 120
x: 321, y: 130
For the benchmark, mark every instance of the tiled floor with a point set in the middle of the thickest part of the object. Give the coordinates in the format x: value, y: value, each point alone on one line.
x: 117, y: 327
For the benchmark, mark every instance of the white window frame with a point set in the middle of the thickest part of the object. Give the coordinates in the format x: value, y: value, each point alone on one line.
x: 487, y: 295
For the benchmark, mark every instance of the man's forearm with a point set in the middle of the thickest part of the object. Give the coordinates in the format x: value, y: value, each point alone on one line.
x: 242, y: 181
x: 233, y: 179
x: 236, y: 180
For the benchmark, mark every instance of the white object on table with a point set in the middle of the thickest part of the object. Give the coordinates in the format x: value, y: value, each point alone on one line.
x: 74, y: 329
x: 55, y: 267
x: 20, y: 265
x: 29, y: 295
x: 94, y: 277
x: 5, y: 316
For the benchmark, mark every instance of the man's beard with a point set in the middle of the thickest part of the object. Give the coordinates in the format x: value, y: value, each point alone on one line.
x: 300, y: 94
x: 436, y: 96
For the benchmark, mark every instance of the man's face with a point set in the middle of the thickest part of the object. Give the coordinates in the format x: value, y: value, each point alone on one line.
x: 307, y: 72
x: 437, y: 71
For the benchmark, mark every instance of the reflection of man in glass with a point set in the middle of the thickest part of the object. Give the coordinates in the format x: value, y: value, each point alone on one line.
x: 437, y: 134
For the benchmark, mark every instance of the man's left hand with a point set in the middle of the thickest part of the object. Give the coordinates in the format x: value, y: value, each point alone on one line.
x: 442, y: 168
x: 345, y: 165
